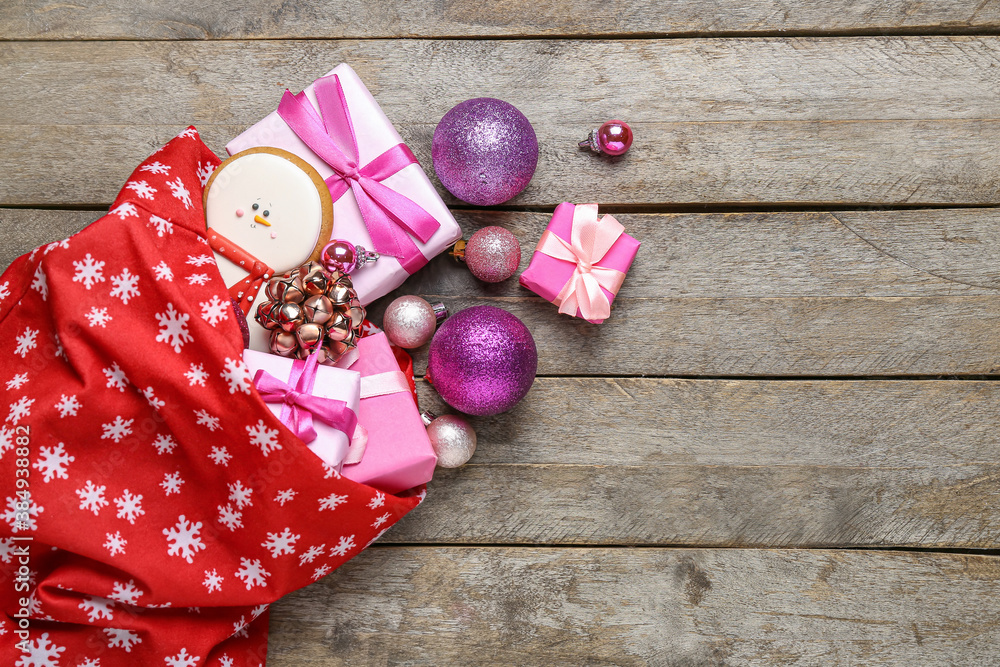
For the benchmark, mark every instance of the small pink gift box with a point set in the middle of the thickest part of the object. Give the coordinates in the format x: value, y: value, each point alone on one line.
x: 398, y: 455
x: 382, y: 199
x: 338, y: 391
x: 580, y: 262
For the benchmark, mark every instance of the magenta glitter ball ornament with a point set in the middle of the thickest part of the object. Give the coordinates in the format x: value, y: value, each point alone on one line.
x: 484, y: 151
x: 241, y: 321
x: 482, y: 360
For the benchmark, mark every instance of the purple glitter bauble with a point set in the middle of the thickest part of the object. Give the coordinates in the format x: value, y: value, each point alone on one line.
x: 241, y: 321
x: 482, y: 360
x: 484, y: 151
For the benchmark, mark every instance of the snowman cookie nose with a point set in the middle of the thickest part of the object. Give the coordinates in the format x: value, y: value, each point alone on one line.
x: 261, y: 220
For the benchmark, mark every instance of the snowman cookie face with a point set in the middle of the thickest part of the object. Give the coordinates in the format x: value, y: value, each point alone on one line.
x: 271, y: 204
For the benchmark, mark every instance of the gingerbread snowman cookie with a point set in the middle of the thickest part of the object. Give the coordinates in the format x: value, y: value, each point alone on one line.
x: 267, y: 211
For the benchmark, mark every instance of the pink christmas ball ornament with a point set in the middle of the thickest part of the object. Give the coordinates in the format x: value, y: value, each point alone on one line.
x: 612, y: 138
x: 492, y: 254
x: 482, y: 360
x: 484, y: 151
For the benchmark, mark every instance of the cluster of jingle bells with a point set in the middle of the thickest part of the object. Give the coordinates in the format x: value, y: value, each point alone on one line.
x: 314, y: 307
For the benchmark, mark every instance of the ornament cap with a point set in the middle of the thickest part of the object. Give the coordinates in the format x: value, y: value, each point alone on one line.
x: 440, y: 311
x: 427, y: 417
x: 457, y: 251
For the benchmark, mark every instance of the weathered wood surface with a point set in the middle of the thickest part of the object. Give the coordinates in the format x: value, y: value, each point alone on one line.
x: 118, y: 19
x: 683, y: 607
x: 848, y: 293
x: 869, y: 120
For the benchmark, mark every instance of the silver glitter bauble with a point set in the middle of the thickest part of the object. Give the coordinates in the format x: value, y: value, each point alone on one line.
x: 409, y: 321
x: 453, y: 439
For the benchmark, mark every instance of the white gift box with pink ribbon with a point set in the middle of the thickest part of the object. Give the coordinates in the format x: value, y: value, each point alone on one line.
x: 382, y: 198
x: 319, y: 404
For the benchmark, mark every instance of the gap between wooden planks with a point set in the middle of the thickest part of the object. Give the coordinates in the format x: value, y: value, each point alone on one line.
x: 785, y: 121
x: 259, y: 19
x: 594, y: 606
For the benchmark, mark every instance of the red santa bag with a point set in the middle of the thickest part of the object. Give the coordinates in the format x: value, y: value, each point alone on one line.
x: 152, y: 505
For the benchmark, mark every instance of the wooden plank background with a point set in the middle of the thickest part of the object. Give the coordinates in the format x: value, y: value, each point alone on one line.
x: 781, y: 448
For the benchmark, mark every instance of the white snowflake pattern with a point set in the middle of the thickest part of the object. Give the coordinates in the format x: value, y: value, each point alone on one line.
x: 64, y: 244
x: 377, y: 523
x: 97, y: 607
x: 207, y: 420
x: 188, y: 133
x: 237, y: 377
x: 68, y: 406
x: 156, y: 168
x: 173, y: 328
x: 126, y: 286
x: 264, y: 437
x: 117, y: 429
x: 26, y: 342
x: 171, y: 483
x: 252, y: 573
x: 150, y: 395
x: 41, y: 653
x: 60, y: 352
x: 89, y: 271
x: 215, y: 310
x: 200, y: 260
x: 125, y: 210
x: 182, y: 659
x: 204, y: 173
x: 284, y: 496
x: 330, y: 471
x: 142, y: 189
x: 6, y: 440
x: 320, y: 572
x: 184, y: 538
x: 4, y: 290
x: 225, y: 661
x: 378, y: 500
x: 240, y: 494
x: 92, y: 497
x: 97, y: 317
x: 343, y: 546
x: 220, y: 456
x: 196, y: 375
x: 164, y: 443
x: 116, y: 377
x: 180, y: 192
x: 197, y: 279
x: 20, y: 409
x: 163, y: 272
x: 230, y: 517
x: 124, y: 639
x: 281, y: 544
x: 162, y: 226
x: 115, y: 543
x: 52, y: 462
x: 17, y: 381
x: 126, y: 592
x: 331, y: 502
x: 129, y: 506
x: 240, y: 628
x: 22, y: 514
x: 213, y: 582
x: 311, y: 554
x: 40, y: 283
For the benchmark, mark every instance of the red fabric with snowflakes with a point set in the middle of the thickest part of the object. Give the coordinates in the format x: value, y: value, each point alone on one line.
x: 168, y: 506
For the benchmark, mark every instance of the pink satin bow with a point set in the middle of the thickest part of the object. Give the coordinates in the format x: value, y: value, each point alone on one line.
x: 390, y: 217
x: 590, y: 241
x: 300, y: 406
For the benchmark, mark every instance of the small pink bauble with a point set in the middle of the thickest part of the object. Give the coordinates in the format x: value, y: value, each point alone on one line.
x: 453, y: 439
x: 611, y: 138
x: 344, y: 256
x: 493, y: 254
x: 410, y: 321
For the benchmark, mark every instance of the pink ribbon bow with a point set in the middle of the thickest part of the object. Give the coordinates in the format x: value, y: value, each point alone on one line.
x: 300, y: 406
x: 590, y: 241
x: 390, y: 217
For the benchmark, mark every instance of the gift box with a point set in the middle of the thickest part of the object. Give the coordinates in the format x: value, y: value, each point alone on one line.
x: 318, y: 403
x: 580, y: 262
x: 382, y: 198
x: 398, y: 454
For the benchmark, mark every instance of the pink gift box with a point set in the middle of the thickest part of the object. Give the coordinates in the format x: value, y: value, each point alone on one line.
x: 331, y: 444
x: 374, y: 135
x: 547, y: 276
x: 398, y: 455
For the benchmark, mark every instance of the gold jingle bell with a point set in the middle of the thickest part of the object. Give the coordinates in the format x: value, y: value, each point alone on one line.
x: 318, y: 309
x: 340, y: 294
x: 315, y: 280
x: 310, y: 337
x: 277, y: 286
x: 283, y: 343
x: 267, y: 315
x: 338, y: 328
x: 289, y: 316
